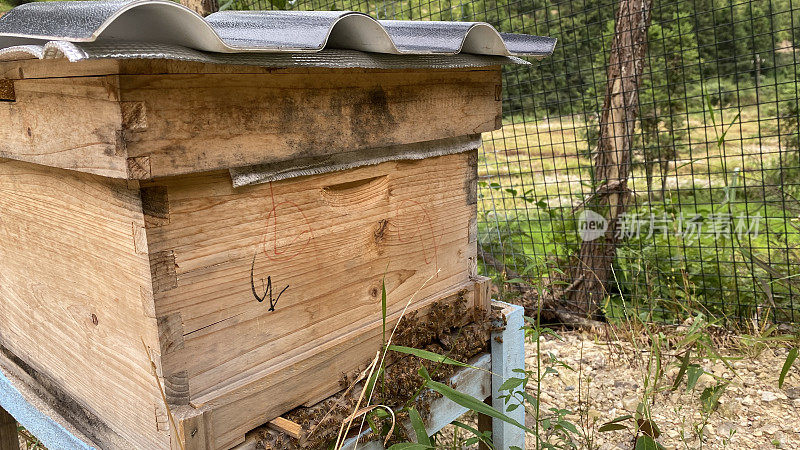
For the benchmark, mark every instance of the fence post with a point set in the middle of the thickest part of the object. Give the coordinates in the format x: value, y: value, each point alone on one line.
x: 202, y: 7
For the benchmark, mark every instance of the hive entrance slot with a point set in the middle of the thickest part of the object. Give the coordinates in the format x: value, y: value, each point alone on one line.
x: 357, y: 192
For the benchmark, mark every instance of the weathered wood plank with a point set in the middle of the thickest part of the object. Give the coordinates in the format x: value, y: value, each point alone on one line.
x: 242, y: 406
x: 330, y: 238
x: 287, y: 426
x: 73, y: 123
x: 118, y: 121
x: 199, y: 122
x: 74, y: 292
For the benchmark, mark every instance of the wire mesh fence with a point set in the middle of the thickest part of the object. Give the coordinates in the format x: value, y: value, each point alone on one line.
x: 712, y: 220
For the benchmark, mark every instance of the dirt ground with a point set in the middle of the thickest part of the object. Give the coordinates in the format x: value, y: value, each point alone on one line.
x: 607, y: 381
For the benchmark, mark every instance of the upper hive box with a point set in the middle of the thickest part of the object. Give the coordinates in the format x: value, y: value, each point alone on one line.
x: 224, y: 205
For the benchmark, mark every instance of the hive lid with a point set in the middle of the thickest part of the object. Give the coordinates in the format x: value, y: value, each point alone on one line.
x: 167, y: 30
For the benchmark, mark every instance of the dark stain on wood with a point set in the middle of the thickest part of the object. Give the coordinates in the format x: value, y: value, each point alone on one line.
x: 75, y: 412
x: 471, y: 178
x: 155, y: 206
x: 7, y: 93
x: 162, y: 270
x: 170, y: 332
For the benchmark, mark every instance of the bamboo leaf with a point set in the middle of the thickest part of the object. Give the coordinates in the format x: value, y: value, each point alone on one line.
x: 430, y: 356
x: 790, y: 358
x: 410, y: 446
x: 484, y: 437
x: 468, y: 401
x: 612, y: 427
x: 684, y: 367
x: 419, y: 427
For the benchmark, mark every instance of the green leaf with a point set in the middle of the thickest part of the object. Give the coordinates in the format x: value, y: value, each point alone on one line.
x: 790, y: 358
x: 645, y: 442
x: 374, y: 379
x: 410, y: 446
x: 710, y: 396
x: 569, y: 426
x: 468, y: 401
x: 694, y: 372
x: 419, y: 427
x: 684, y: 367
x: 612, y: 427
x: 484, y: 436
x: 621, y: 418
x: 430, y: 356
x: 510, y: 384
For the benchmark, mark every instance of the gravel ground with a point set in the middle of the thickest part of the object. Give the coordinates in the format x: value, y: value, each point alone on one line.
x: 608, y: 382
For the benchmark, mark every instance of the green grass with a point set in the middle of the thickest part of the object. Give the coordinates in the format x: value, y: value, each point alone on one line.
x: 533, y: 174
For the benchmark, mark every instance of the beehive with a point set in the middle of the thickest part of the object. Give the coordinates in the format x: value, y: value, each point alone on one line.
x: 198, y: 215
x: 124, y: 243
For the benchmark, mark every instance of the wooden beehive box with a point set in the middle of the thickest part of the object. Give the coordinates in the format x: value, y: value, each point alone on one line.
x: 124, y: 243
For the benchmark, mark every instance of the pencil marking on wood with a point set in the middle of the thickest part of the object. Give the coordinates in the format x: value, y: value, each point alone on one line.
x: 273, y: 249
x: 414, y: 222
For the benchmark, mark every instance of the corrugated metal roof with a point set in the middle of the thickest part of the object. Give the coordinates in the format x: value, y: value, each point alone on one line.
x: 137, y: 28
x: 330, y: 58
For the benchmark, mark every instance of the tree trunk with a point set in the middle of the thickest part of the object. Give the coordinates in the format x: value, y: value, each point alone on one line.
x: 612, y: 161
x: 202, y: 7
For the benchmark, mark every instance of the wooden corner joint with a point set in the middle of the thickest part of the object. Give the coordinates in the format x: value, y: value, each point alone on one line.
x: 163, y: 271
x: 155, y: 206
x: 134, y: 116
x: 139, y: 168
x: 193, y: 428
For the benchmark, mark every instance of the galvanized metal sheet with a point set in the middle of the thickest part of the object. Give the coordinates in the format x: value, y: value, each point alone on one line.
x: 300, y: 167
x: 330, y: 58
x: 169, y: 23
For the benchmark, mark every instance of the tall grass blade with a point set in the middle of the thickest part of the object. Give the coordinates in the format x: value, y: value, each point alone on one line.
x: 419, y: 427
x: 790, y: 358
x: 481, y: 436
x: 468, y: 401
x: 410, y: 446
x: 430, y: 356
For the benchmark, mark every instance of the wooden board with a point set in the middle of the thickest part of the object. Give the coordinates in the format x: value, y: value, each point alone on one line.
x: 75, y: 297
x: 247, y: 405
x: 145, y: 119
x: 212, y: 121
x: 329, y: 238
x: 73, y: 123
